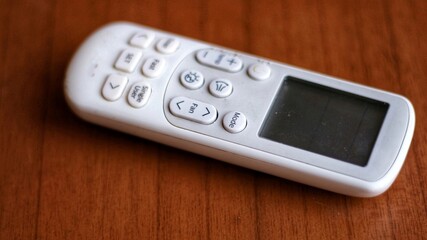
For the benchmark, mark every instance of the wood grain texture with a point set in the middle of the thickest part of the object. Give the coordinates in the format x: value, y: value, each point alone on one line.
x: 62, y: 178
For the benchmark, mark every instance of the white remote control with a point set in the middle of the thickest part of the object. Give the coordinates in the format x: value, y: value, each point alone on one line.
x: 241, y: 109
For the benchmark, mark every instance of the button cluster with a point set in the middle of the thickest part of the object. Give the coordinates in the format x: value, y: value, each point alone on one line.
x: 193, y: 110
x: 201, y: 112
x: 128, y: 61
x: 205, y: 113
x: 192, y: 79
x: 232, y: 63
x: 132, y: 58
x: 218, y: 87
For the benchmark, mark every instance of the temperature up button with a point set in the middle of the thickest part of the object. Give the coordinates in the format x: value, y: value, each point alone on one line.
x: 218, y: 59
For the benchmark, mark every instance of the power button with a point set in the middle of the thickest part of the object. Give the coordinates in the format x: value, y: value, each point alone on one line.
x: 259, y: 71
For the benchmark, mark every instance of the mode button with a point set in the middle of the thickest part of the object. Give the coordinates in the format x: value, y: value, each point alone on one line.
x: 234, y: 122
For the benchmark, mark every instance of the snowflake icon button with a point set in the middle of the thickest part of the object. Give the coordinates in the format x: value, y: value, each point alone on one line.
x: 192, y: 79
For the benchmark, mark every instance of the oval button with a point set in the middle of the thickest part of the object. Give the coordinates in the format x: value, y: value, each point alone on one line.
x: 167, y: 45
x: 114, y: 87
x: 153, y: 67
x: 142, y: 39
x: 128, y: 60
x: 139, y: 94
x: 220, y: 60
x: 193, y: 110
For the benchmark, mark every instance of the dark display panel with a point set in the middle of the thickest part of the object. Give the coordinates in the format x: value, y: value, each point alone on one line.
x: 324, y: 120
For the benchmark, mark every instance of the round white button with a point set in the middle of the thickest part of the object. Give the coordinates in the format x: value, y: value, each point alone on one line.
x: 234, y: 122
x: 192, y: 79
x: 259, y: 71
x: 221, y: 87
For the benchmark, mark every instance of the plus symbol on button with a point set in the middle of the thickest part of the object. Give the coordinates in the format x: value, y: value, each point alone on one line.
x: 231, y: 61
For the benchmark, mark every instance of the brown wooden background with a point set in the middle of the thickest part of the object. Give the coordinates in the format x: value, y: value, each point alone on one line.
x: 62, y: 178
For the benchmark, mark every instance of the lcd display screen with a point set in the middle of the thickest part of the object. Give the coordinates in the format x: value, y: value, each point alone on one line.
x: 324, y: 120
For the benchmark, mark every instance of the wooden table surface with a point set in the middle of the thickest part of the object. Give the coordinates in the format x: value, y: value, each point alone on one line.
x: 63, y: 178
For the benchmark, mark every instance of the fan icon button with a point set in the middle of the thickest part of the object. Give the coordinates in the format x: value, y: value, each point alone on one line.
x: 220, y: 87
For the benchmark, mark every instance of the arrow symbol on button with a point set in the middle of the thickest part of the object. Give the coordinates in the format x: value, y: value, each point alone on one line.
x: 207, y: 112
x: 177, y: 104
x: 113, y: 87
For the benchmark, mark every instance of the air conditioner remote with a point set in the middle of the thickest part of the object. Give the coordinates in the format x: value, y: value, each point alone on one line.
x: 241, y: 109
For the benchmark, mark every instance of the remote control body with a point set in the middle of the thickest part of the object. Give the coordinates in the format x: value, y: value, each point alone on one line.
x: 218, y: 102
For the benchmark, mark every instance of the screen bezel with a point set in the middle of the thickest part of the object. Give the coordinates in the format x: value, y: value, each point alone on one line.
x: 387, y: 144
